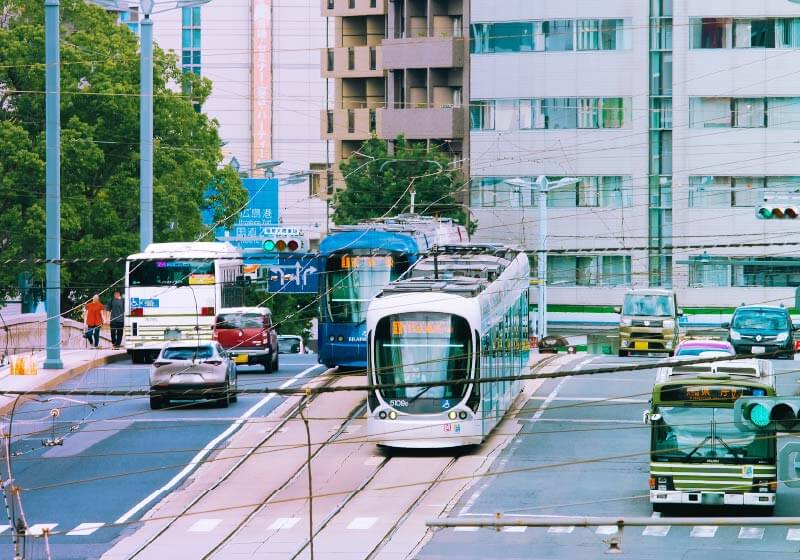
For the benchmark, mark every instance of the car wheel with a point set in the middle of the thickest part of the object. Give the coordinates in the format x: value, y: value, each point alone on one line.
x: 277, y: 362
x: 623, y: 354
x: 268, y: 363
x: 156, y: 402
x: 234, y: 397
x: 225, y: 399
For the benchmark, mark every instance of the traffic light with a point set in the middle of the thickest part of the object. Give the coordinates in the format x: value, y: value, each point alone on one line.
x: 777, y: 212
x: 759, y: 413
x: 283, y: 245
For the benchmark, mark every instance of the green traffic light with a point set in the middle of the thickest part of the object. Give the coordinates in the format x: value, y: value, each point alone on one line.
x: 765, y: 212
x: 269, y: 245
x: 759, y: 415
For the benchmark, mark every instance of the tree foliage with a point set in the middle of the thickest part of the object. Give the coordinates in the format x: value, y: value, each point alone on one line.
x: 379, y: 182
x: 100, y: 147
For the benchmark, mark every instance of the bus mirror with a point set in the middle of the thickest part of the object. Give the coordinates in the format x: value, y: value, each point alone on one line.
x: 650, y: 417
x: 617, y: 309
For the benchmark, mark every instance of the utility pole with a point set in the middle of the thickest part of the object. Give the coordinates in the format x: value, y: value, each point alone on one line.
x: 146, y: 129
x: 53, y: 182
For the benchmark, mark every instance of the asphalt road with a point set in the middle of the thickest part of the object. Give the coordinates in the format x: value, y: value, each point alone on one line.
x: 583, y: 450
x: 117, y: 454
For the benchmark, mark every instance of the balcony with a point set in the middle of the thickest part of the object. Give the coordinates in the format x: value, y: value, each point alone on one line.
x: 352, y: 62
x: 344, y: 8
x: 423, y: 52
x: 421, y: 123
x: 348, y: 124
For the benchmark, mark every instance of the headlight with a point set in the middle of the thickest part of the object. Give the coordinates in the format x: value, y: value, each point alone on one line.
x: 624, y: 342
x: 735, y: 336
x: 782, y: 337
x: 625, y: 322
x: 669, y: 324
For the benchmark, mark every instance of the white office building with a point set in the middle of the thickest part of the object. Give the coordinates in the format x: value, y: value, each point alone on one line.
x: 676, y: 118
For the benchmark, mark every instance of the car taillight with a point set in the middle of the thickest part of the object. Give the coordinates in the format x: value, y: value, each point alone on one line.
x: 137, y: 312
x: 206, y: 311
x: 214, y: 335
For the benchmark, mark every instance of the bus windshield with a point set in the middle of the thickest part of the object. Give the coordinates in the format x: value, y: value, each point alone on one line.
x: 648, y: 305
x: 171, y: 272
x: 707, y: 433
x: 353, y: 279
x: 422, y: 348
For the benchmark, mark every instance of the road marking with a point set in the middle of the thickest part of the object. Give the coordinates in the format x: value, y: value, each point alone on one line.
x: 793, y: 535
x: 283, y: 523
x: 561, y: 530
x: 362, y: 523
x: 606, y: 530
x: 703, y: 531
x: 466, y: 529
x: 656, y: 531
x: 204, y: 525
x: 4, y: 528
x: 198, y: 458
x: 514, y: 529
x: 84, y: 529
x: 751, y: 533
x: 38, y: 529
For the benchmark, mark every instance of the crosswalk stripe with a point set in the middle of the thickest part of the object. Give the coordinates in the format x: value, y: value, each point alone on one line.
x: 656, y: 531
x: 606, y: 530
x: 751, y: 533
x: 283, y: 523
x: 362, y: 523
x: 793, y: 534
x: 204, y: 525
x: 38, y: 529
x: 514, y: 529
x: 466, y: 529
x: 703, y: 531
x: 561, y: 530
x: 85, y: 529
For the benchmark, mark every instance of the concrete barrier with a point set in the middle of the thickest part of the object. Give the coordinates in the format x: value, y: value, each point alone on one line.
x: 24, y: 334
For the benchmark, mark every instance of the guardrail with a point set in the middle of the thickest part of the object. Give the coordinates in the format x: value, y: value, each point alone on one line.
x: 25, y: 334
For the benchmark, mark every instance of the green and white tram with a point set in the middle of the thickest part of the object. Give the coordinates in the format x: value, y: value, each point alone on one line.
x: 698, y: 456
x: 461, y: 314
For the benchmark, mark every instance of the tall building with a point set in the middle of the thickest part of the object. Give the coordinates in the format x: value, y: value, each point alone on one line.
x: 675, y: 119
x: 262, y: 57
x: 398, y: 67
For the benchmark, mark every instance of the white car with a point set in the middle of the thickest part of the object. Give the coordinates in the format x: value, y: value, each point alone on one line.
x: 190, y: 372
x: 290, y: 344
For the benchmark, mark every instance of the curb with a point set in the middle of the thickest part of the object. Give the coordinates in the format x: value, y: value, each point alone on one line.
x: 63, y: 376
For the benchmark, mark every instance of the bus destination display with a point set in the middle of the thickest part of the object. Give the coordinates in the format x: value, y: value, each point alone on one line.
x: 708, y: 393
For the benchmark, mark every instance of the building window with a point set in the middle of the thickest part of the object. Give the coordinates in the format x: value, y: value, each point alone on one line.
x: 331, y: 59
x: 589, y: 192
x: 588, y: 270
x: 746, y: 192
x: 481, y: 114
x: 511, y: 37
x: 744, y: 112
x: 558, y: 35
x: 130, y: 18
x: 711, y: 271
x: 755, y: 33
x: 600, y: 34
x: 710, y: 33
x: 191, y: 44
x: 760, y: 33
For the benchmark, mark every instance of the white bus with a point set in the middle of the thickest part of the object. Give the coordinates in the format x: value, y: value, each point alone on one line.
x: 173, y: 291
x: 461, y: 316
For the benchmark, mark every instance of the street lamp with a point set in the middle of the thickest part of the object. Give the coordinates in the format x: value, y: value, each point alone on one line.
x: 268, y: 167
x: 543, y: 186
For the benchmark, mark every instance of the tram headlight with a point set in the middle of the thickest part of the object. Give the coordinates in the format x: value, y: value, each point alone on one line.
x: 392, y: 415
x: 382, y: 415
x: 462, y: 415
x: 452, y: 415
x: 331, y: 338
x: 341, y: 339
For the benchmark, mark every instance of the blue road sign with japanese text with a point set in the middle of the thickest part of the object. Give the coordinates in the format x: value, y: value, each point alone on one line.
x: 294, y: 275
x: 256, y: 219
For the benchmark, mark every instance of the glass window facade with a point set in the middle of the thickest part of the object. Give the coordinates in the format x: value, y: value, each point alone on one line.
x: 191, y: 36
x: 553, y: 35
x: 603, y: 191
x: 744, y: 33
x: 709, y: 271
x: 551, y: 113
x: 744, y: 112
x: 588, y: 270
x: 729, y: 192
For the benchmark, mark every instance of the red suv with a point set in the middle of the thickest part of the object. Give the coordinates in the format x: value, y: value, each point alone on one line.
x: 248, y: 336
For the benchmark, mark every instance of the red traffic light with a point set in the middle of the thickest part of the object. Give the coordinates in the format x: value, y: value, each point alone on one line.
x: 293, y: 245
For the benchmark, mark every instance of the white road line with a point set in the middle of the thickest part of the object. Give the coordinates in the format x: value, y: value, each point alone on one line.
x: 606, y: 530
x: 4, y: 528
x: 793, y: 535
x: 204, y: 525
x: 514, y: 529
x: 38, y: 529
x: 751, y: 533
x: 703, y: 531
x: 198, y: 458
x: 84, y: 529
x: 561, y: 530
x: 362, y: 523
x: 466, y: 529
x: 656, y: 531
x: 283, y: 523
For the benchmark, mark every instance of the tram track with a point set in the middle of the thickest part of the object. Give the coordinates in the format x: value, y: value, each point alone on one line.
x: 292, y: 414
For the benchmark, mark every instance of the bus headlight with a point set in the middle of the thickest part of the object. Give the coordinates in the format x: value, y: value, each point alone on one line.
x: 462, y: 415
x: 382, y: 415
x: 392, y: 415
x: 452, y: 415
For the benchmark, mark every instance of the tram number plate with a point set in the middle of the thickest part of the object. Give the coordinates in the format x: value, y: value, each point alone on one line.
x: 452, y: 427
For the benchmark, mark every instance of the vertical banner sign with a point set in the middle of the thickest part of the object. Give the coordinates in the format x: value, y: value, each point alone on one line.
x: 261, y: 82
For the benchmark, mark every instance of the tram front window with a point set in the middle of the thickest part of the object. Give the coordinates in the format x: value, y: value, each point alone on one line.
x: 422, y: 348
x: 353, y: 279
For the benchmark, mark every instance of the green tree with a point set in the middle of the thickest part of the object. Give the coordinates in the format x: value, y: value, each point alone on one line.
x: 100, y: 147
x: 379, y: 182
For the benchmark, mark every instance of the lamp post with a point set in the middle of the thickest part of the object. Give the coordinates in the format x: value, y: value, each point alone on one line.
x: 53, y: 182
x: 543, y: 186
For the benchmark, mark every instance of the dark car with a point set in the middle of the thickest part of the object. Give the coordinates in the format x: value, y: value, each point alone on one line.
x: 759, y: 329
x: 248, y: 336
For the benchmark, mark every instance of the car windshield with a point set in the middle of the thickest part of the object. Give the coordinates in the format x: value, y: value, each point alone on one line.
x: 422, y: 348
x: 648, y: 305
x: 188, y: 353
x: 240, y: 321
x: 760, y: 319
x: 353, y: 279
x: 707, y: 433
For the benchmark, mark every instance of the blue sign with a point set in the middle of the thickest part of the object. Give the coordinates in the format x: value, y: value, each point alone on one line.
x: 255, y: 218
x: 294, y: 275
x: 144, y: 302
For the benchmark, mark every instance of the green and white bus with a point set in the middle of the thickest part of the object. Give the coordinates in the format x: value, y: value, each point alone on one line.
x: 698, y: 457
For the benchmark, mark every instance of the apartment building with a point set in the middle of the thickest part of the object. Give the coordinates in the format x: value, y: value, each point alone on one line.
x: 263, y: 59
x: 671, y: 120
x: 398, y: 67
